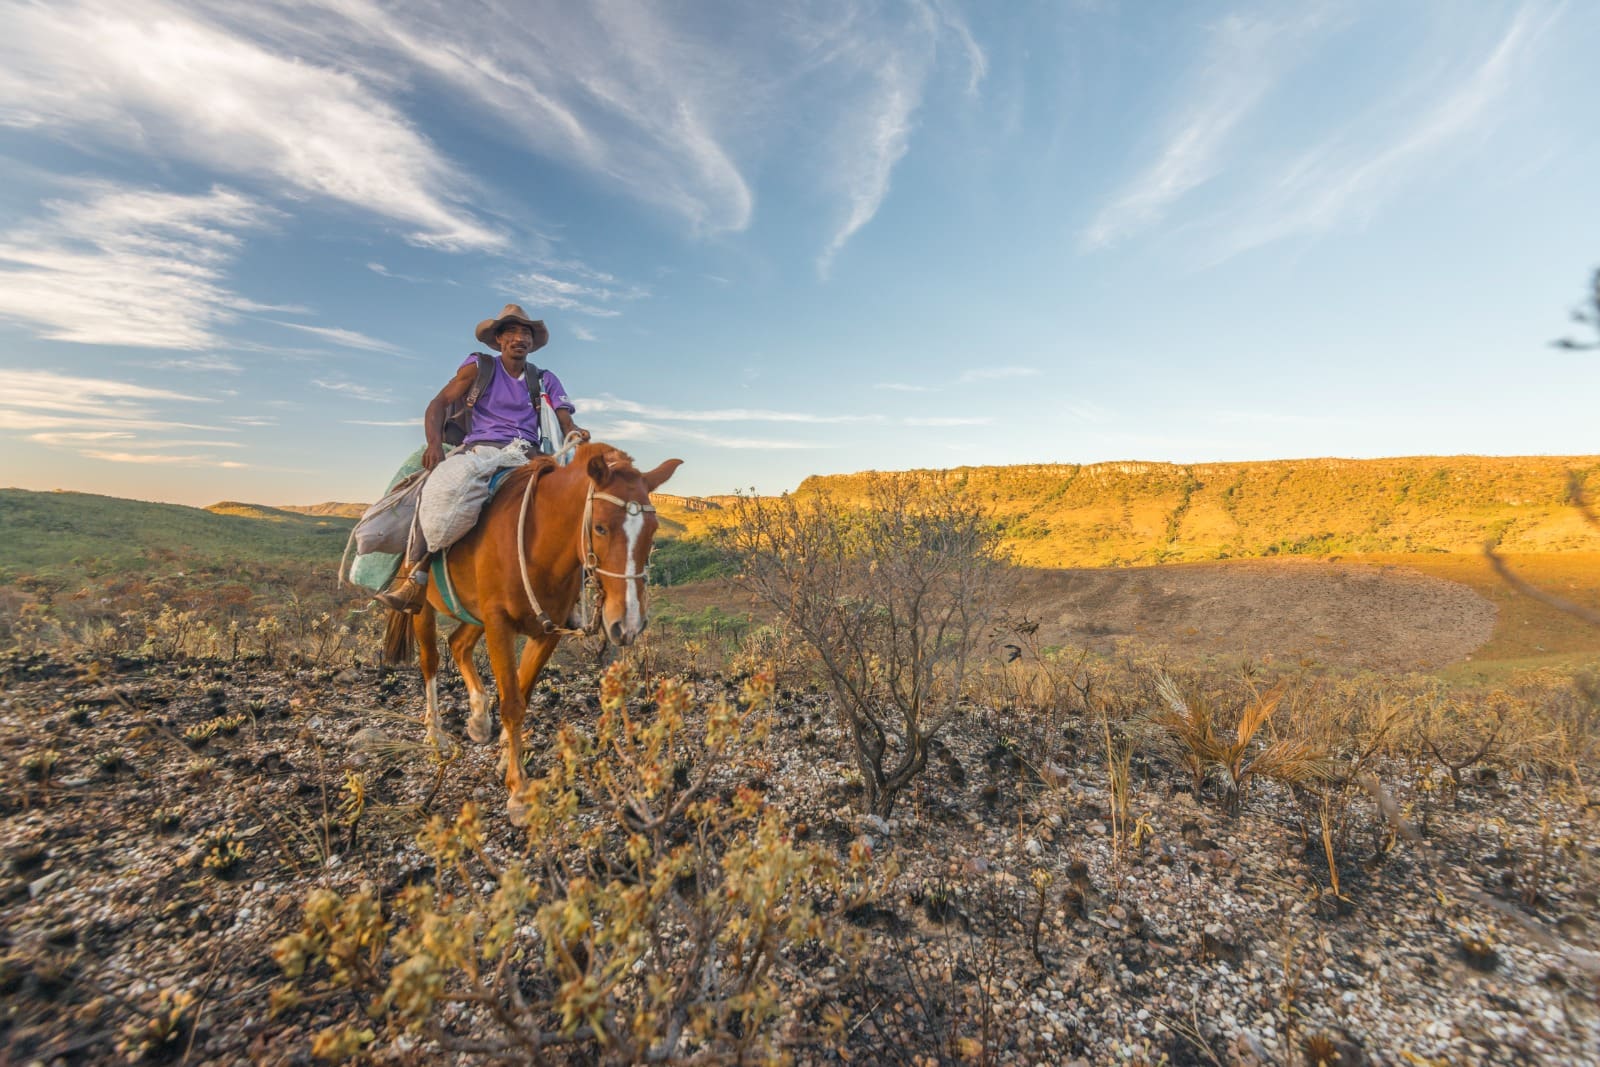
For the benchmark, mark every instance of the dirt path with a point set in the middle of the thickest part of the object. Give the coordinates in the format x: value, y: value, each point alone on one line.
x: 1381, y: 617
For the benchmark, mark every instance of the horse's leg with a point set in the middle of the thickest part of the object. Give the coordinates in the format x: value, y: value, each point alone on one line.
x: 462, y: 642
x: 425, y: 625
x: 534, y: 656
x: 513, y: 706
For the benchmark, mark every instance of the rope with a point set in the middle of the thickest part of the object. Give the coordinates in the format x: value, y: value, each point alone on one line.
x: 522, y: 565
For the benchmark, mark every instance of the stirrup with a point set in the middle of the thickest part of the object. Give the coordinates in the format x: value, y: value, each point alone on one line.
x: 405, y: 595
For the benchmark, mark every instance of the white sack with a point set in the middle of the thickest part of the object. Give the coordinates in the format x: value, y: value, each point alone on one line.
x: 385, y: 526
x: 456, y: 491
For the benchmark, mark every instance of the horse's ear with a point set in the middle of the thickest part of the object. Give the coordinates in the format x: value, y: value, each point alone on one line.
x: 599, y: 470
x: 653, y: 479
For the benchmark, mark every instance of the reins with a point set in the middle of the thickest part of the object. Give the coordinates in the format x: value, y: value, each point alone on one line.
x: 587, y: 559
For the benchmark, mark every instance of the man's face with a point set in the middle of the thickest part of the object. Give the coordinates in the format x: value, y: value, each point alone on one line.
x: 515, y: 342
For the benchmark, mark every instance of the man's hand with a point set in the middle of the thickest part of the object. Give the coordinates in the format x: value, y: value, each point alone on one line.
x: 432, y: 456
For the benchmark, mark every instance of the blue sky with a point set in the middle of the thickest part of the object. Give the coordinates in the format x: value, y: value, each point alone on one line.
x: 241, y: 246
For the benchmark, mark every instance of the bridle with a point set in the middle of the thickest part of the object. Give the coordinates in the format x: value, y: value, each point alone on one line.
x: 593, y: 595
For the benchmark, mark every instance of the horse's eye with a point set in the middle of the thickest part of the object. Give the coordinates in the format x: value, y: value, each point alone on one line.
x: 600, y: 529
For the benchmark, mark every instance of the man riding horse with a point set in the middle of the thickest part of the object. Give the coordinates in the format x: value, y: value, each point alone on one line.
x: 504, y: 411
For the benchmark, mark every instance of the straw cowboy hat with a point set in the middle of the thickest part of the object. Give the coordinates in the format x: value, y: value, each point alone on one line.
x: 513, y: 315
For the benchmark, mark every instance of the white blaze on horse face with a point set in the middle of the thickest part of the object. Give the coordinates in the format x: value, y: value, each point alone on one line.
x: 632, y: 527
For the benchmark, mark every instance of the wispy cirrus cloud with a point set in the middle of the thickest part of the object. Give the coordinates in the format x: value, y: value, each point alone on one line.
x: 127, y: 266
x: 384, y: 272
x: 166, y: 79
x: 672, y: 105
x: 596, y: 295
x: 1351, y: 175
x: 354, y: 390
x: 611, y: 404
x: 162, y: 459
x: 887, y: 69
x: 1243, y: 61
x: 631, y: 430
x: 97, y: 398
x: 947, y: 420
x: 205, y: 363
x: 345, y: 338
x: 102, y: 419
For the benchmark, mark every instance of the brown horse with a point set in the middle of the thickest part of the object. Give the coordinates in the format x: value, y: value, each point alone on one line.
x: 547, y: 531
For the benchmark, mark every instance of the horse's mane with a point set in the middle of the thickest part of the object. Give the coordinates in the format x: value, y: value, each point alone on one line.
x: 517, y: 480
x: 537, y: 467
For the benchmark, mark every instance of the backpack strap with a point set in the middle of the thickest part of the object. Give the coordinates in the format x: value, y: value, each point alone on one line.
x: 485, y: 373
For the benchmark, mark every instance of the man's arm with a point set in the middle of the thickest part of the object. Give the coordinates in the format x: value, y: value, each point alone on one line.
x: 433, y: 419
x: 568, y: 427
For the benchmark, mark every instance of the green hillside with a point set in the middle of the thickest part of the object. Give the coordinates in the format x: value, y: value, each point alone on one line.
x: 1108, y: 514
x: 80, y: 531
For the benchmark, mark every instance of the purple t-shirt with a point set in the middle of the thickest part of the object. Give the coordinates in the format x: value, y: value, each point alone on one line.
x: 505, y: 411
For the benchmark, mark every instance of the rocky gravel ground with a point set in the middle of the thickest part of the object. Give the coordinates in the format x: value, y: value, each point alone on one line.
x: 162, y: 822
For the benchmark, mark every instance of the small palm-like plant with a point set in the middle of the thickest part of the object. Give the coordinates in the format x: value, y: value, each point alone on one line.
x: 1204, y: 744
x: 1192, y: 724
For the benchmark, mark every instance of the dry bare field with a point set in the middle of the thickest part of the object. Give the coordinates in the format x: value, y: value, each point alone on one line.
x: 1247, y: 811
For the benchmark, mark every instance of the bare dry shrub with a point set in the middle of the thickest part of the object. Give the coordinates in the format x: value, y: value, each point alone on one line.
x: 662, y: 913
x: 894, y: 599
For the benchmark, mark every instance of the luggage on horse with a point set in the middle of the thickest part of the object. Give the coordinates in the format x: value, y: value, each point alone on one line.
x: 453, y: 496
x: 374, y: 567
x: 386, y: 525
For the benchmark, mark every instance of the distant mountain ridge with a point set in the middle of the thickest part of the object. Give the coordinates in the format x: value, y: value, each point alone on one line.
x: 62, y: 529
x: 335, y: 508
x: 1052, y: 515
x: 1107, y: 514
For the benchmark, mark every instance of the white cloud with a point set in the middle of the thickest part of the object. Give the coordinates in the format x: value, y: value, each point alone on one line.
x: 384, y: 422
x: 947, y: 420
x: 669, y: 104
x: 97, y: 397
x: 541, y: 290
x: 346, y: 338
x: 160, y: 78
x: 161, y: 459
x: 629, y: 407
x: 905, y: 387
x: 354, y: 390
x: 204, y: 364
x: 127, y: 267
x: 1352, y: 175
x: 636, y: 430
x: 583, y: 333
x: 1244, y: 59
x: 886, y: 62
x: 384, y: 272
x: 87, y: 414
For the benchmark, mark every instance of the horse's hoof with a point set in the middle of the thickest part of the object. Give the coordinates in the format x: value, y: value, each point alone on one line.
x: 480, y: 729
x: 517, y: 811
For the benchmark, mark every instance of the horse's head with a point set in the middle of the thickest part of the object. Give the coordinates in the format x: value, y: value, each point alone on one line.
x: 620, y: 526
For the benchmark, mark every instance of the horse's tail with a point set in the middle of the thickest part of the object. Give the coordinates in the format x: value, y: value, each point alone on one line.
x: 399, y: 640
